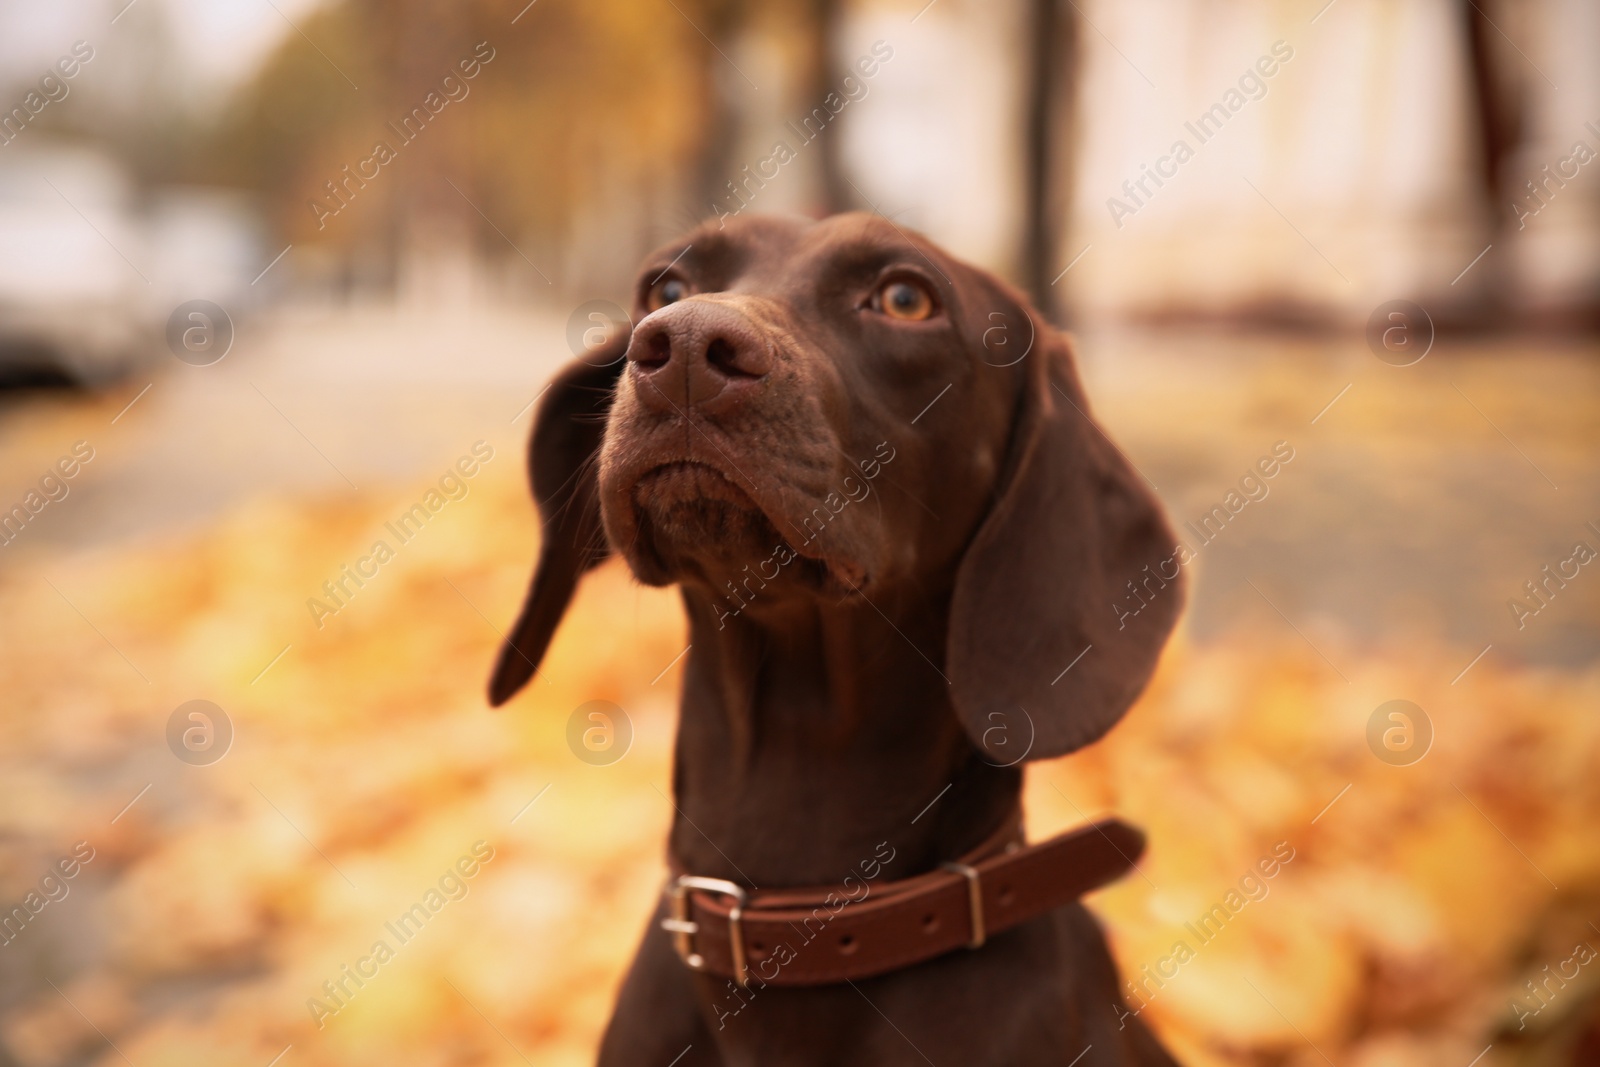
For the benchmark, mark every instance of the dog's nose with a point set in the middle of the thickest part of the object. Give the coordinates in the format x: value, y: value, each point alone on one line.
x: 700, y: 354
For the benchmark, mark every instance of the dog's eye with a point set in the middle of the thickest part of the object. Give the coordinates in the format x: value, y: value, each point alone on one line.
x: 664, y: 292
x: 904, y: 299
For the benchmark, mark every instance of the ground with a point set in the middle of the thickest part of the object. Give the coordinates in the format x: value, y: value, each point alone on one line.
x: 364, y: 764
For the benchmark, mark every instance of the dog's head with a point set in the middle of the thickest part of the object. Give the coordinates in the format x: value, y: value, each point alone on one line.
x: 840, y: 410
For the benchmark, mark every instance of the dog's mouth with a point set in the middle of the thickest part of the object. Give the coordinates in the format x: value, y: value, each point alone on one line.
x: 693, y: 519
x: 684, y: 499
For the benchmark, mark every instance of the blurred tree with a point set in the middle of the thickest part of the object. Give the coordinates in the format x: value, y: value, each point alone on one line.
x: 1497, y: 108
x: 1048, y: 136
x: 823, y: 76
x: 719, y: 22
x: 613, y: 109
x: 574, y: 104
x: 139, y: 103
x: 811, y: 27
x: 1497, y: 104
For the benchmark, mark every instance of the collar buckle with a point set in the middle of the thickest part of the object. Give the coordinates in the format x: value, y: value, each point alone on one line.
x: 683, y: 928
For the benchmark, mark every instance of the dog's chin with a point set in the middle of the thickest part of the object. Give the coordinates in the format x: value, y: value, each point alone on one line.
x: 696, y: 524
x: 690, y: 510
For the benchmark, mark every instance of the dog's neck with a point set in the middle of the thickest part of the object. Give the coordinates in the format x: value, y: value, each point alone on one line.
x: 810, y: 734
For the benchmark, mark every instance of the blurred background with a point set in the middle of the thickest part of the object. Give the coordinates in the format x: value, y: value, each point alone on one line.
x: 269, y: 268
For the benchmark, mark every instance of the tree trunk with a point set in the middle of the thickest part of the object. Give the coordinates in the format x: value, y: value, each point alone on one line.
x: 1047, y: 143
x: 1496, y: 110
x: 716, y: 165
x: 824, y: 76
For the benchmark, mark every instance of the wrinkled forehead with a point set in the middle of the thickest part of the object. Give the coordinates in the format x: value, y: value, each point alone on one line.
x: 775, y: 255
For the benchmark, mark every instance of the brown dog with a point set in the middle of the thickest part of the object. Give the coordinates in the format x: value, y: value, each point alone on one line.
x: 900, y: 539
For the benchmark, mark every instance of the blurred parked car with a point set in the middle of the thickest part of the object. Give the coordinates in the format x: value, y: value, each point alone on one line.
x: 87, y: 278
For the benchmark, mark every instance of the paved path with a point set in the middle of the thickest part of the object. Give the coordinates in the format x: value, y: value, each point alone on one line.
x: 1419, y: 499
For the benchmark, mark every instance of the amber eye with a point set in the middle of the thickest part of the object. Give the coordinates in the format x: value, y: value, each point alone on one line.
x: 664, y: 292
x: 904, y: 299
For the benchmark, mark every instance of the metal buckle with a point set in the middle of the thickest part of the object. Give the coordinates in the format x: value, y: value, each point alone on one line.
x: 974, y: 900
x: 684, y: 928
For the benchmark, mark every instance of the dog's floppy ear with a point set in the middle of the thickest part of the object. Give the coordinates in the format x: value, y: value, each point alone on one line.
x: 562, y: 456
x: 1044, y: 628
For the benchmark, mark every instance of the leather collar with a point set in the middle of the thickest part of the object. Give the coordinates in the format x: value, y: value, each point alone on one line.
x: 823, y: 935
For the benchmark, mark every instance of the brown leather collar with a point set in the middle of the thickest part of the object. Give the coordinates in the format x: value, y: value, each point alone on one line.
x: 799, y: 937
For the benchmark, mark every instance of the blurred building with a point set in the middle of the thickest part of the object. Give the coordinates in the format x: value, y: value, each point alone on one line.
x: 1349, y: 175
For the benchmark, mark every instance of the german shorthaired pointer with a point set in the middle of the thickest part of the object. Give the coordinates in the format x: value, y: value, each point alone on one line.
x: 899, y: 537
